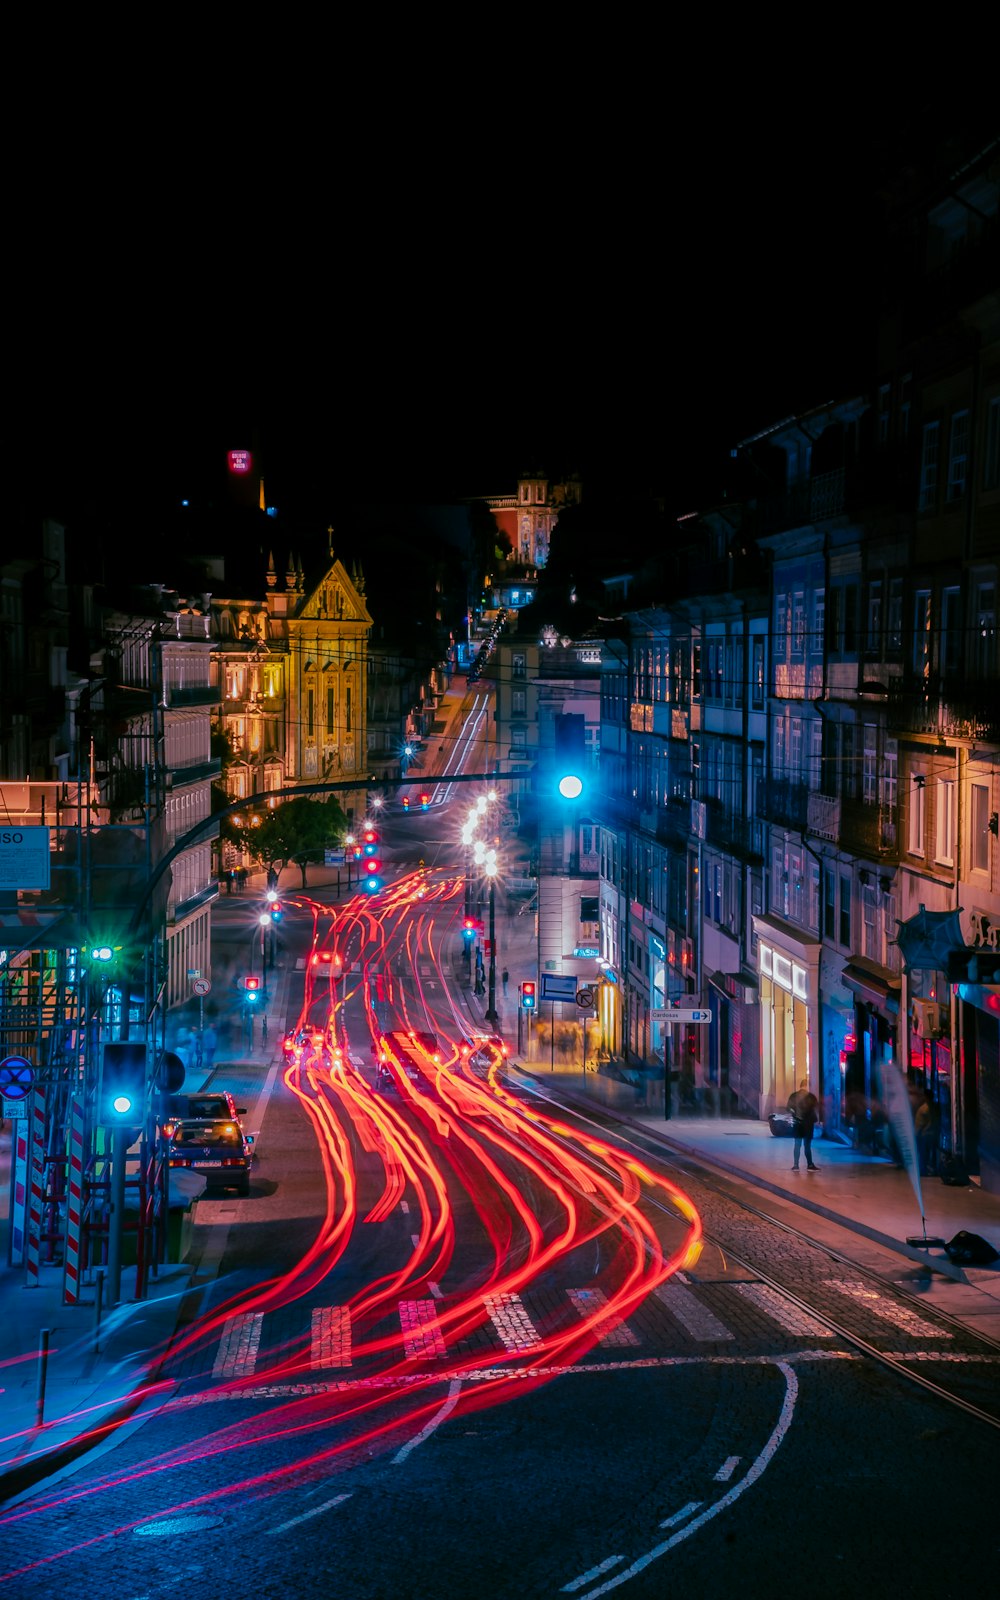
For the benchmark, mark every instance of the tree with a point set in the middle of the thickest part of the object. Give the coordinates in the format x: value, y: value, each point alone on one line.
x: 298, y: 830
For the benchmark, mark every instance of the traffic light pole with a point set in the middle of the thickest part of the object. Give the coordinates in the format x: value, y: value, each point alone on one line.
x: 116, y: 1214
x: 491, y: 1009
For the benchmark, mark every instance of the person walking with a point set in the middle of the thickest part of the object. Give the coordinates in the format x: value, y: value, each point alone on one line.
x: 209, y: 1045
x: 925, y: 1127
x: 505, y: 979
x: 804, y: 1107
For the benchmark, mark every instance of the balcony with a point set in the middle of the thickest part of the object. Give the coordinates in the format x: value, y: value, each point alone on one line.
x: 783, y: 803
x: 734, y: 836
x: 200, y: 694
x: 197, y: 772
x: 868, y: 830
x: 955, y: 707
x: 817, y: 500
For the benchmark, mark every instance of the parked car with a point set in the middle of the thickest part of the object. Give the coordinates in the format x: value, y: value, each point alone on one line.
x: 209, y: 1107
x: 220, y: 1150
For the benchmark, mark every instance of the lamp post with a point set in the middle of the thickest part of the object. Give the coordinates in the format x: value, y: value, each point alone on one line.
x: 490, y: 868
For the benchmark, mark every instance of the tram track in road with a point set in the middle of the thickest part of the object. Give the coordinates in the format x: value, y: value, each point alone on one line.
x: 726, y: 1216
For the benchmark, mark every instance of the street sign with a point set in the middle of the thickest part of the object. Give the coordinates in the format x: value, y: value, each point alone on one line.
x: 14, y: 1110
x: 688, y: 1016
x: 559, y: 986
x: 201, y: 986
x: 16, y: 1077
x: 25, y: 861
x: 585, y: 999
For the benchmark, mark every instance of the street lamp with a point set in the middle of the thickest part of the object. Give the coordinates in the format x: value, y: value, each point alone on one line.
x: 490, y: 870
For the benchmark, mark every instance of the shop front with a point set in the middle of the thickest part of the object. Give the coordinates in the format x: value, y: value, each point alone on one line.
x: 788, y: 974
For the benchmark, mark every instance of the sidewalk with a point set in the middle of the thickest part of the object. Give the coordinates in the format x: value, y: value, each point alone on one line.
x: 96, y: 1384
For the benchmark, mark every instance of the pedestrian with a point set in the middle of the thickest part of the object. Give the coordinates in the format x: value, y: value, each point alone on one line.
x: 925, y: 1126
x: 209, y: 1045
x: 804, y: 1107
x: 505, y: 979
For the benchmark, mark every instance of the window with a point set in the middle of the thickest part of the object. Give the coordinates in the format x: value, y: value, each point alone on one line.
x: 829, y: 903
x: 795, y: 751
x: 517, y: 661
x: 869, y: 913
x: 798, y: 622
x: 979, y: 827
x: 817, y: 635
x: 845, y: 910
x: 915, y: 817
x: 758, y: 675
x: 588, y: 908
x: 874, y: 631
x: 958, y: 456
x: 929, y: 465
x: 894, y: 618
x: 780, y: 625
x: 869, y: 766
x: 849, y: 772
x: 944, y: 831
x: 922, y: 633
x: 330, y: 709
x: 538, y: 493
x: 347, y: 709
x: 518, y: 702
x: 951, y: 639
x: 310, y: 711
x: 889, y: 774
x: 991, y: 445
x: 986, y: 629
x: 884, y: 412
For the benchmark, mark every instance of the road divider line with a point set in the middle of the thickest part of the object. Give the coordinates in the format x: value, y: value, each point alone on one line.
x: 422, y: 1334
x: 237, y: 1353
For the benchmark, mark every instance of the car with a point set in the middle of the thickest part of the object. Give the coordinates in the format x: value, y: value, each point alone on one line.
x: 210, y: 1107
x: 220, y: 1150
x: 483, y: 1049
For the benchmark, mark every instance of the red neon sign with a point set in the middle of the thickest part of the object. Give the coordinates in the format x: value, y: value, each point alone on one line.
x: 240, y: 461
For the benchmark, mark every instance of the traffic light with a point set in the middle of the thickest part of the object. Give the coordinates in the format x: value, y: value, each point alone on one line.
x: 469, y: 930
x: 570, y: 754
x: 371, y: 884
x: 251, y: 988
x: 369, y: 844
x: 529, y: 993
x: 425, y: 801
x: 123, y: 1085
x: 276, y: 909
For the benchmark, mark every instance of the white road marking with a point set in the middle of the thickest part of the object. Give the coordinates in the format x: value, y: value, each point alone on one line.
x: 421, y: 1331
x: 694, y: 1317
x: 404, y: 1206
x: 759, y: 1466
x: 611, y: 1335
x: 681, y: 1515
x: 237, y: 1353
x: 435, y: 1289
x: 588, y: 1577
x: 454, y: 1390
x: 900, y: 1316
x: 727, y: 1469
x: 512, y: 1323
x: 316, y: 1511
x: 330, y: 1343
x: 782, y: 1311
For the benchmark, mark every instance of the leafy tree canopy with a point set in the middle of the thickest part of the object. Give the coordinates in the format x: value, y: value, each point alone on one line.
x: 298, y: 830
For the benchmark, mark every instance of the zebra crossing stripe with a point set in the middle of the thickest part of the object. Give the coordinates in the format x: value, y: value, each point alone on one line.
x: 421, y: 1330
x: 237, y: 1355
x: 900, y: 1316
x: 512, y: 1323
x: 611, y: 1335
x: 694, y: 1317
x: 330, y: 1342
x: 782, y: 1311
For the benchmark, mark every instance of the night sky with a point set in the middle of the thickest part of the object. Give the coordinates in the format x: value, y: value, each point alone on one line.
x: 629, y: 313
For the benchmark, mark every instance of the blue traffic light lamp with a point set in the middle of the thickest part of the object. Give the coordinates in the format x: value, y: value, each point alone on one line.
x: 570, y: 786
x: 123, y: 1085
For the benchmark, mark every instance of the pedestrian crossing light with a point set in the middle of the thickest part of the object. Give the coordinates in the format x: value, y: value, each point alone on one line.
x: 251, y: 988
x: 123, y: 1085
x: 469, y: 930
x: 529, y: 993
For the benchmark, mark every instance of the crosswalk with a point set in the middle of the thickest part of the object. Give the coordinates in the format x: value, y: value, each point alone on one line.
x: 716, y: 1314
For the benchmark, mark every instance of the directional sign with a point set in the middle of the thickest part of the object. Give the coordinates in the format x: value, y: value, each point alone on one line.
x: 16, y: 1076
x: 689, y: 1016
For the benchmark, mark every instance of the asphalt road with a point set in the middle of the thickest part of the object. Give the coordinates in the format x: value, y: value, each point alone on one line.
x: 457, y: 1343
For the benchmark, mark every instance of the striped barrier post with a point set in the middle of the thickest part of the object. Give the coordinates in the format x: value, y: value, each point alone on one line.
x: 74, y: 1205
x: 36, y: 1186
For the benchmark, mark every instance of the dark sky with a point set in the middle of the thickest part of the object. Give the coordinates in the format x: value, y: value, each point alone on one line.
x: 628, y: 307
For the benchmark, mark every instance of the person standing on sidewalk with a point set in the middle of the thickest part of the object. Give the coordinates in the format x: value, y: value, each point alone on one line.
x: 505, y: 979
x: 804, y: 1107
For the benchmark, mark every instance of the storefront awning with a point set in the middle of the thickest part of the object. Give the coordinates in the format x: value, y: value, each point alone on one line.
x: 872, y: 983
